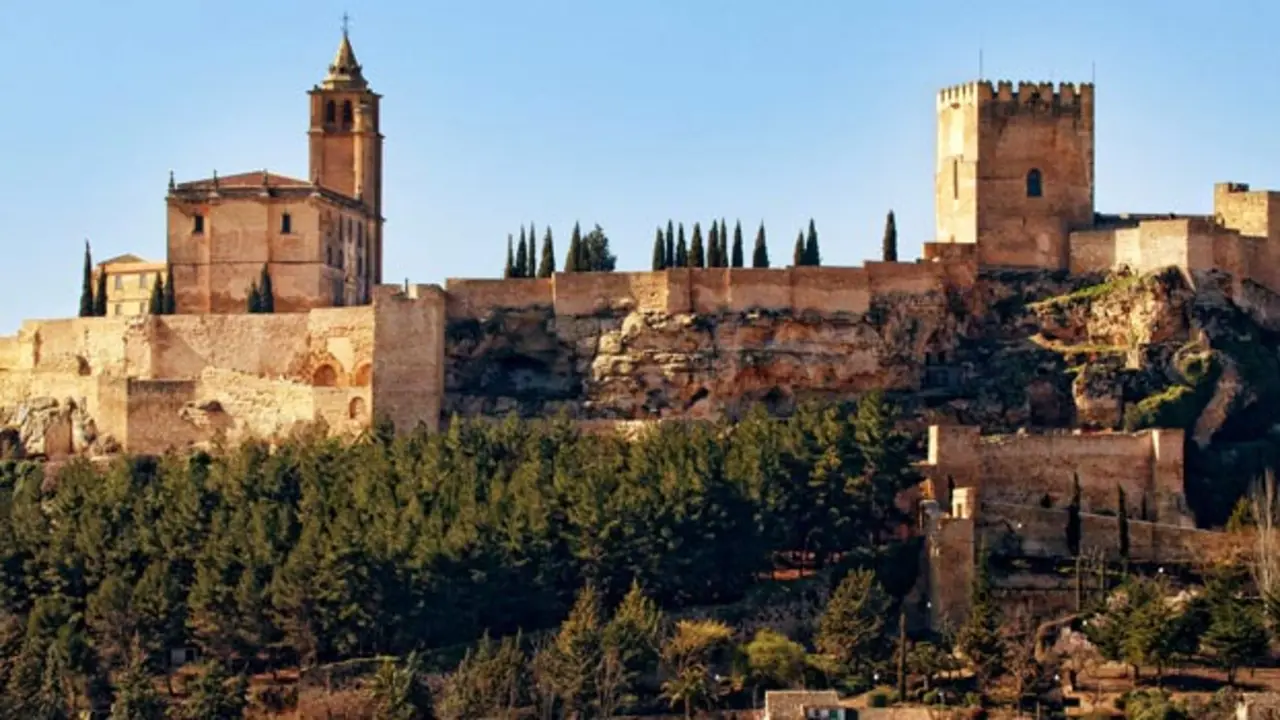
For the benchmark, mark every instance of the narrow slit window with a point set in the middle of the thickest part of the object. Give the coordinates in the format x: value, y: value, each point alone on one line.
x: 1034, y: 183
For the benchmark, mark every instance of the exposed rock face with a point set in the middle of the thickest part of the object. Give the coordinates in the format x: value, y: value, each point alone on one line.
x: 45, y: 427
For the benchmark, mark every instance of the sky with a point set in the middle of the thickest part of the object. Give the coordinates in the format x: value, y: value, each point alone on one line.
x: 625, y: 113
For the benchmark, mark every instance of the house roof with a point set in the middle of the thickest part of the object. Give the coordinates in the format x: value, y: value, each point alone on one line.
x: 790, y: 704
x: 126, y: 258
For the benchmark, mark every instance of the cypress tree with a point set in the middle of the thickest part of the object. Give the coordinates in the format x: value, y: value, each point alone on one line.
x: 573, y: 261
x: 737, y: 258
x: 531, y: 265
x: 659, y: 251
x: 156, y: 305
x: 890, y: 239
x: 697, y: 258
x: 812, y: 256
x: 798, y: 256
x: 170, y: 296
x: 547, y: 263
x: 724, y: 243
x: 682, y: 250
x: 1073, y: 517
x: 253, y: 303
x: 760, y: 253
x: 713, y: 245
x: 522, y: 256
x: 100, y: 298
x: 1123, y: 525
x: 266, y: 295
x: 509, y: 271
x: 671, y: 245
x: 86, y: 285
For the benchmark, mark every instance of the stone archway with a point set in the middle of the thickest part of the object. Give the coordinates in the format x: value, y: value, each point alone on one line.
x: 363, y: 376
x: 325, y: 376
x: 357, y: 409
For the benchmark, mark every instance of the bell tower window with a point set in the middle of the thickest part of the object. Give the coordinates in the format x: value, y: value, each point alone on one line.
x: 330, y: 113
x: 286, y: 223
x: 347, y: 116
x: 197, y: 224
x: 1034, y: 188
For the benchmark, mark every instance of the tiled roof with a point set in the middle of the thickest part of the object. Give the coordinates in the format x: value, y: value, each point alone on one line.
x: 790, y: 704
x: 245, y: 180
x: 126, y: 258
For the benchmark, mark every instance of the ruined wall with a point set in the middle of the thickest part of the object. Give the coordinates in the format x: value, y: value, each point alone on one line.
x: 1027, y: 469
x: 409, y: 342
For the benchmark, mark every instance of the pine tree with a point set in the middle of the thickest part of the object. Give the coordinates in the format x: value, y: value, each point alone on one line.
x: 682, y: 250
x: 671, y: 246
x: 659, y: 252
x: 890, y: 239
x: 531, y: 263
x: 697, y: 253
x: 738, y: 258
x: 215, y: 696
x: 509, y: 271
x: 798, y: 256
x: 87, y: 304
x: 170, y: 296
x: 852, y: 628
x: 156, y: 304
x: 1073, y: 517
x: 253, y: 303
x: 522, y: 256
x: 1123, y: 525
x: 136, y: 697
x: 100, y: 297
x: 547, y: 263
x: 760, y: 253
x: 266, y: 294
x: 713, y: 246
x: 811, y: 254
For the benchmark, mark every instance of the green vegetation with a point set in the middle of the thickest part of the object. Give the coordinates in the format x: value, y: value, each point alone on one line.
x: 889, y: 247
x: 1178, y: 405
x: 1112, y: 284
x: 86, y: 284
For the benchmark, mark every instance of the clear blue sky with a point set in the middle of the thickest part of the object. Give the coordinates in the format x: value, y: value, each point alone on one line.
x: 618, y: 112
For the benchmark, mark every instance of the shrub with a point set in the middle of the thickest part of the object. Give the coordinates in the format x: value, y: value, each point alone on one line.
x: 878, y: 699
x: 930, y: 698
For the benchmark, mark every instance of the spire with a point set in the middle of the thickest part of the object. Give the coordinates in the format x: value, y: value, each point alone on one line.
x: 344, y: 72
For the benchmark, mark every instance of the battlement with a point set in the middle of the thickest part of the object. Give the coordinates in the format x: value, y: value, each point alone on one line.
x: 1042, y: 96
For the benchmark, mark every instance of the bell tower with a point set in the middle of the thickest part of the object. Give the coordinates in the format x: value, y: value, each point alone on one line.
x: 346, y: 141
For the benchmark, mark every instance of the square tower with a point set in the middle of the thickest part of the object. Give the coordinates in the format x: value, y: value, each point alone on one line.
x: 1015, y: 170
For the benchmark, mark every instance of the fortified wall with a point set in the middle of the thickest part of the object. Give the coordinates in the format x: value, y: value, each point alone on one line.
x: 155, y: 382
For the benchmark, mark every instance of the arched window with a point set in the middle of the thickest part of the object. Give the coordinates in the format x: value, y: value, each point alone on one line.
x: 1034, y: 188
x: 330, y: 112
x: 347, y: 117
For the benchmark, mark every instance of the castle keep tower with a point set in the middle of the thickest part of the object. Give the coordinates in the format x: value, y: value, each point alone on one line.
x: 1015, y: 170
x: 346, y: 145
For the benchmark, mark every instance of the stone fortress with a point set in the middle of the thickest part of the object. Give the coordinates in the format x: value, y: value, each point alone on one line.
x: 1014, y: 191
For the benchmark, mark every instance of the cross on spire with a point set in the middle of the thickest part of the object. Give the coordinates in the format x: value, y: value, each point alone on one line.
x: 346, y: 23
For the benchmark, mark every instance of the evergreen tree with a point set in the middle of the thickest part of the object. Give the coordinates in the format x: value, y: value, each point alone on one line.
x: 136, y: 696
x: 682, y: 250
x: 1122, y: 525
x: 522, y: 256
x: 724, y: 244
x: 531, y: 262
x: 399, y: 692
x: 890, y: 239
x: 1236, y: 636
x: 811, y: 254
x: 697, y: 256
x: 170, y: 296
x: 266, y: 295
x: 713, y: 245
x: 547, y: 264
x: 573, y: 260
x: 671, y: 246
x: 596, y: 255
x: 852, y: 628
x: 156, y: 303
x: 509, y: 270
x: 979, y: 639
x: 1073, y: 517
x: 86, y: 285
x: 253, y: 303
x: 100, y: 297
x: 798, y: 256
x: 738, y: 258
x: 659, y: 252
x: 574, y: 655
x: 760, y: 253
x: 215, y: 696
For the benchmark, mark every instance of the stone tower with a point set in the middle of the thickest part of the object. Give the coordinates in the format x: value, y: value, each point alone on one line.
x: 1015, y: 170
x: 346, y: 143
